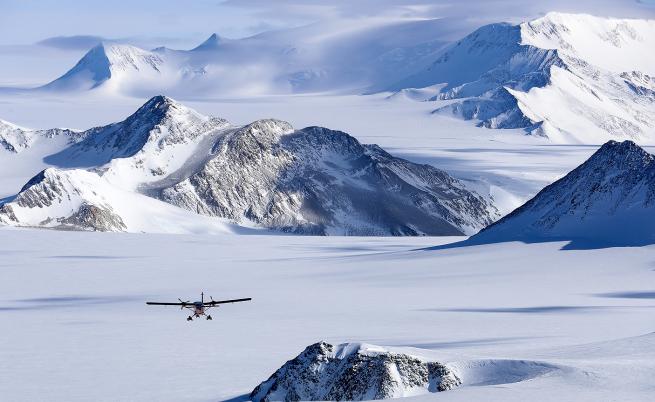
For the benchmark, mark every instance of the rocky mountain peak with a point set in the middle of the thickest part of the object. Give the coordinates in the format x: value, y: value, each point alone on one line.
x: 159, y: 123
x: 310, y: 181
x: 13, y: 138
x: 620, y: 155
x: 105, y: 61
x: 355, y: 372
x: 609, y: 199
x: 161, y: 106
x: 259, y: 135
x: 210, y: 43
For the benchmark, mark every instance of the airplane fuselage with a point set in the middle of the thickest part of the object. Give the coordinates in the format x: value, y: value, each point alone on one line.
x: 198, y: 309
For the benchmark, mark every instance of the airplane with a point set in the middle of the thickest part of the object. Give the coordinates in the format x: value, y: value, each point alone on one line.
x: 199, y: 307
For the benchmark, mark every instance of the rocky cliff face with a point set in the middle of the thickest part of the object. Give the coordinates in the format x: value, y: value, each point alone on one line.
x: 320, y: 181
x: 353, y: 372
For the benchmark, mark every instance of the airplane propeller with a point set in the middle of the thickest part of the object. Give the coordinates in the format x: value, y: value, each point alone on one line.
x: 182, y: 307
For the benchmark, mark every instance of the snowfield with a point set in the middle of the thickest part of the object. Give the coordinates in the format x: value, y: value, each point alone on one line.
x: 516, y: 322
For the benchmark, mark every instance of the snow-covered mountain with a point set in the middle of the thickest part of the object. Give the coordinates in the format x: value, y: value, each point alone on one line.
x: 321, y: 181
x: 82, y: 200
x: 110, y: 64
x: 264, y: 174
x: 353, y: 372
x: 572, y: 78
x: 16, y: 139
x: 154, y: 141
x: 569, y: 77
x: 609, y: 199
x: 301, y: 59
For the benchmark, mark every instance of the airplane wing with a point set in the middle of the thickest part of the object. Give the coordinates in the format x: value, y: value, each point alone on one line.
x: 215, y: 302
x: 168, y: 304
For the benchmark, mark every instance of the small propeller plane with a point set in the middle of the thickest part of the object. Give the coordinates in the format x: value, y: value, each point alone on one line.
x: 199, y: 307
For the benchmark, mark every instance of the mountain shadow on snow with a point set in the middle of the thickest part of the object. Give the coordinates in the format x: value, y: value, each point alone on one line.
x: 608, y: 201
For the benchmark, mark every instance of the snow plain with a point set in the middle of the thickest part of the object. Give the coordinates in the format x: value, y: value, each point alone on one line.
x: 76, y: 327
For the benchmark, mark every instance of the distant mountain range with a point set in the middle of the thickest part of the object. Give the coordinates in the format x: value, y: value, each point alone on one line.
x: 608, y: 200
x: 571, y: 78
x: 302, y: 59
x: 169, y: 168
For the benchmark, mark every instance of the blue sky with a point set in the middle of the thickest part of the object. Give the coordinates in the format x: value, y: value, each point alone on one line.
x: 185, y: 22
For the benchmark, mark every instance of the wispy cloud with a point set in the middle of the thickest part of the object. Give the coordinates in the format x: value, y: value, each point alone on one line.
x: 75, y: 42
x: 508, y: 10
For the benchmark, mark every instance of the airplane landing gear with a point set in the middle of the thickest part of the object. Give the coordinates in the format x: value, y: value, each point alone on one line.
x: 189, y: 318
x: 209, y: 317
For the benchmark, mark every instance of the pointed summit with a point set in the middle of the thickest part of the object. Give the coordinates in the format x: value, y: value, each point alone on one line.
x: 624, y: 155
x: 158, y: 124
x: 608, y: 200
x: 108, y: 61
x: 159, y: 104
x: 212, y: 43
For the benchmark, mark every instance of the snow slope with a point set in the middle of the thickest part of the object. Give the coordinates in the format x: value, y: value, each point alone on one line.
x: 15, y: 139
x: 113, y: 65
x: 572, y: 78
x: 81, y: 200
x: 608, y: 200
x: 312, y: 181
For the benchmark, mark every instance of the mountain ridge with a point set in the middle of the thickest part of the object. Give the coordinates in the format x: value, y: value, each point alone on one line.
x: 607, y: 200
x: 541, y: 77
x: 265, y: 174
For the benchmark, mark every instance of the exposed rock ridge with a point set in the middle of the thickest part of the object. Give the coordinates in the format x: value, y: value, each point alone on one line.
x: 353, y: 372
